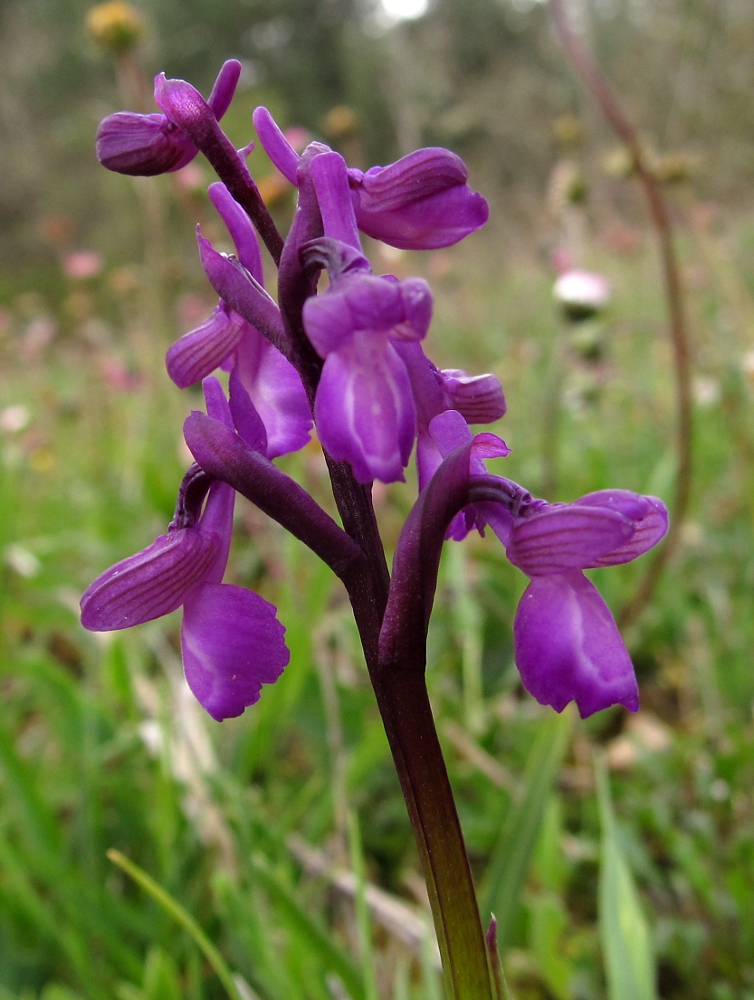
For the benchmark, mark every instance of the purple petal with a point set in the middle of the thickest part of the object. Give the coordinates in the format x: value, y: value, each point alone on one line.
x: 181, y: 103
x: 276, y: 390
x: 365, y: 302
x: 648, y: 513
x: 428, y: 458
x: 232, y: 644
x: 240, y: 228
x: 414, y: 177
x: 438, y: 221
x: 330, y: 176
x: 151, y: 583
x: 327, y: 321
x: 416, y: 296
x: 568, y: 648
x: 248, y: 422
x: 489, y: 446
x: 478, y: 397
x: 568, y: 537
x: 142, y: 145
x: 275, y: 144
x: 428, y: 395
x: 204, y: 349
x: 364, y: 410
x: 241, y: 292
x: 216, y: 403
x: 224, y: 87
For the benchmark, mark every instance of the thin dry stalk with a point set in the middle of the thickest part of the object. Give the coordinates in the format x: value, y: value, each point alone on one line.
x: 588, y: 70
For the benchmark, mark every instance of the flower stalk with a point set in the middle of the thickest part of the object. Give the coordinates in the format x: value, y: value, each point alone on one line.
x: 351, y: 363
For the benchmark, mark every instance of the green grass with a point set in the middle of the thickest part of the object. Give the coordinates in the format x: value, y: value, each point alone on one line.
x: 99, y: 749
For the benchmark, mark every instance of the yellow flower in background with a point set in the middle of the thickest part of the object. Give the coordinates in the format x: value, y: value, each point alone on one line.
x: 115, y: 26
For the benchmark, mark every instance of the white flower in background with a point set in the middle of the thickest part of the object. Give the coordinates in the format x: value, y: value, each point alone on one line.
x: 14, y: 418
x: 581, y: 294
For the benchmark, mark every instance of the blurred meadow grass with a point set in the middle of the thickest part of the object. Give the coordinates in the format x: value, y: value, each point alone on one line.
x: 616, y: 853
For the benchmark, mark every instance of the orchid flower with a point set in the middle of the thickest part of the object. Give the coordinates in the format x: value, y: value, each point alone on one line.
x: 229, y: 340
x: 420, y: 202
x: 231, y: 640
x: 145, y: 145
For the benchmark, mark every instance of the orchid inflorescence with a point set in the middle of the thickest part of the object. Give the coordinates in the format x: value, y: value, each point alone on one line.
x: 349, y: 362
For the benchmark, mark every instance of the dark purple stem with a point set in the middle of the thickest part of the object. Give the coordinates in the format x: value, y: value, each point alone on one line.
x: 586, y: 67
x: 223, y: 455
x: 398, y: 681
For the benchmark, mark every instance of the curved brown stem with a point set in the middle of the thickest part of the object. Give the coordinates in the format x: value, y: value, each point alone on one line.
x: 587, y: 68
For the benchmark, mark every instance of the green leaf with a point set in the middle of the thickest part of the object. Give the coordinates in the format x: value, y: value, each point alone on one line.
x: 181, y: 916
x: 308, y: 929
x: 624, y: 930
x: 513, y: 852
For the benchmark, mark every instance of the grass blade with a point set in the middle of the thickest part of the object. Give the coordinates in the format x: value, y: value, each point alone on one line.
x: 512, y: 855
x: 181, y: 916
x: 624, y: 930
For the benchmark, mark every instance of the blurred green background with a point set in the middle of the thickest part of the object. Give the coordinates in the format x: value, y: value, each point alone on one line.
x: 618, y: 854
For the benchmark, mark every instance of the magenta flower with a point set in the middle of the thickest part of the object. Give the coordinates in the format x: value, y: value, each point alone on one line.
x: 145, y: 145
x: 231, y: 640
x: 420, y: 202
x: 567, y: 645
x: 364, y: 409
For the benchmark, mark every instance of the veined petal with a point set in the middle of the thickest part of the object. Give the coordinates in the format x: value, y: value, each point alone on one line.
x: 564, y: 538
x: 142, y: 145
x: 649, y: 514
x: 232, y: 644
x: 419, y: 175
x: 364, y: 410
x: 568, y: 648
x: 649, y: 530
x: 440, y: 220
x: 478, y: 397
x: 204, y: 349
x: 151, y: 583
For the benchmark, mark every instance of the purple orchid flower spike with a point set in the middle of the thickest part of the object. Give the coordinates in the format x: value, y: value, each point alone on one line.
x: 420, y: 202
x: 145, y: 145
x: 231, y: 640
x: 227, y: 339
